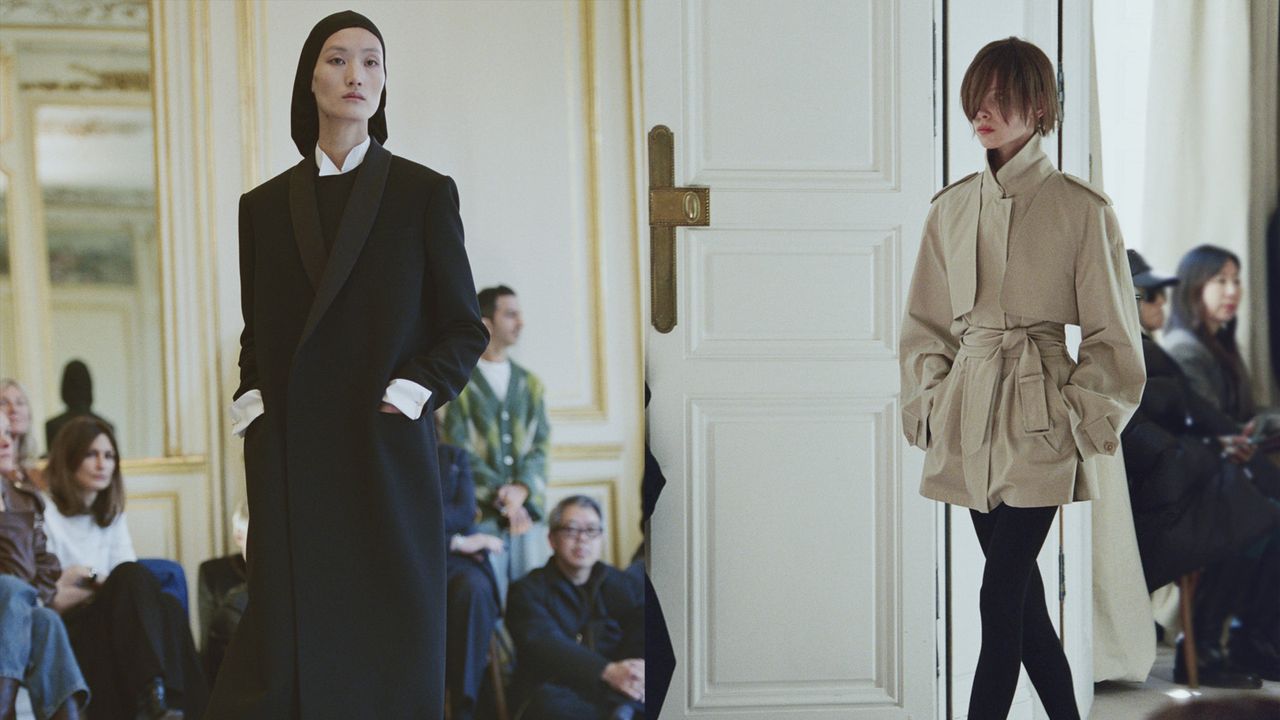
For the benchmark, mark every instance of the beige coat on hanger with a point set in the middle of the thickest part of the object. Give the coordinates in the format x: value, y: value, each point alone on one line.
x: 988, y: 389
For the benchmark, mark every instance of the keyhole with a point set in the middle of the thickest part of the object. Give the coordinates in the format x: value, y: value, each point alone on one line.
x: 692, y: 206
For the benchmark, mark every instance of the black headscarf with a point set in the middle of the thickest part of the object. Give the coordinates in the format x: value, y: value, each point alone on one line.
x: 305, y: 126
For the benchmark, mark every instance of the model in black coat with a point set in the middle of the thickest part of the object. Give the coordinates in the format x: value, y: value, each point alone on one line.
x: 346, y: 548
x: 1192, y: 507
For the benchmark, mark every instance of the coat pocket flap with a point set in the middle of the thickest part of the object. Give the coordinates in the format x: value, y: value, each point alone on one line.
x: 1034, y: 406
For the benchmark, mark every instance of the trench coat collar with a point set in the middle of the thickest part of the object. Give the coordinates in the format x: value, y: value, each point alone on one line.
x: 327, y: 276
x: 1023, y: 174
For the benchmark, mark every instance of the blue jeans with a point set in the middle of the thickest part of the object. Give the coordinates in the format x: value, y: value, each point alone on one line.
x: 36, y: 651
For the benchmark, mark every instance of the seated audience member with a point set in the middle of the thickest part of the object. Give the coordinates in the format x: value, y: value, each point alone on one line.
x: 1199, y: 496
x: 15, y: 404
x: 77, y: 393
x: 578, y: 626
x: 1201, y: 332
x: 224, y: 594
x: 34, y: 650
x: 133, y: 641
x: 473, y: 607
x: 500, y: 419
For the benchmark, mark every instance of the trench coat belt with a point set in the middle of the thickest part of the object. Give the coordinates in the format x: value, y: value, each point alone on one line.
x: 986, y: 347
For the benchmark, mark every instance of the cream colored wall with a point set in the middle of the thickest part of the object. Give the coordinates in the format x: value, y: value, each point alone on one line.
x: 528, y: 106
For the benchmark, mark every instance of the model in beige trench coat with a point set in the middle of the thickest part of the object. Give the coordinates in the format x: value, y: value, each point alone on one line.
x: 1002, y: 411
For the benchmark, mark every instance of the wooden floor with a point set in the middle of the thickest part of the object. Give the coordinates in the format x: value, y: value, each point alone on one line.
x: 1136, y: 701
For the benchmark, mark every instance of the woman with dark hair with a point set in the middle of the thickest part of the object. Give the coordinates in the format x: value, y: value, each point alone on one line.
x: 132, y: 640
x: 34, y: 650
x: 360, y: 319
x: 1201, y: 338
x: 1201, y: 332
x: 1198, y: 495
x: 1012, y: 427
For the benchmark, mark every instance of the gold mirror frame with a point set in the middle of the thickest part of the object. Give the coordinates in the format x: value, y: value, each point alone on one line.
x: 107, y: 23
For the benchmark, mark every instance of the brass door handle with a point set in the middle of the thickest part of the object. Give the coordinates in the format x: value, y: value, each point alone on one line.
x: 670, y: 207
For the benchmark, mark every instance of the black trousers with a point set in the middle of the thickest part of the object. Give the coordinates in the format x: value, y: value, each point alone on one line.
x: 1016, y: 629
x: 129, y: 634
x: 472, y: 615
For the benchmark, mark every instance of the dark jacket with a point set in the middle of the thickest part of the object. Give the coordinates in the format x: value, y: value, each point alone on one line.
x: 23, y: 548
x: 1191, y: 506
x: 346, y: 553
x: 459, y: 493
x: 567, y: 634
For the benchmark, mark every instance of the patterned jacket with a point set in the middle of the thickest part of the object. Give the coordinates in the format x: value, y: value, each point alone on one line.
x: 508, y: 441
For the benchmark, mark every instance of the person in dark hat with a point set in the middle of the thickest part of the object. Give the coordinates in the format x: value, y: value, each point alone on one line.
x: 1151, y: 288
x: 360, y: 318
x: 77, y: 393
x: 1201, y: 500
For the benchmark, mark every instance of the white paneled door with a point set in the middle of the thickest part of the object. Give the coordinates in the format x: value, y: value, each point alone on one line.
x: 794, y: 557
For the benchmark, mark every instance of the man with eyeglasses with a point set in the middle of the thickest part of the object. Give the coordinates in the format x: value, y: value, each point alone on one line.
x: 578, y: 625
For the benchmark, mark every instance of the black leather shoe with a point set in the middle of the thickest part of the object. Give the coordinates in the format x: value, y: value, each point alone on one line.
x: 1214, y: 670
x: 1259, y: 657
x: 152, y: 704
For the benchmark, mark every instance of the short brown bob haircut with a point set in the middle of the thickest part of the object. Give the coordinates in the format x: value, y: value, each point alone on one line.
x: 1026, y: 78
x: 65, y: 457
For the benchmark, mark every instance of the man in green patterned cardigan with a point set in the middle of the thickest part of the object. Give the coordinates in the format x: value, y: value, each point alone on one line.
x: 501, y: 420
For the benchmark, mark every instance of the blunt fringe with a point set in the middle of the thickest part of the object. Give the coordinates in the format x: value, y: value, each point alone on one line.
x: 1026, y: 77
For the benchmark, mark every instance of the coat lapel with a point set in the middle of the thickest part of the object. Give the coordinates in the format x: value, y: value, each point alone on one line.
x: 306, y: 219
x: 353, y: 230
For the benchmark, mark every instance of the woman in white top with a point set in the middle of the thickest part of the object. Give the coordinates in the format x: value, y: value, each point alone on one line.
x: 133, y: 641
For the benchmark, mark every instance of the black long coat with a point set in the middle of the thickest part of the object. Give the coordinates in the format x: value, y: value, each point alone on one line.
x: 1191, y: 506
x: 346, y: 543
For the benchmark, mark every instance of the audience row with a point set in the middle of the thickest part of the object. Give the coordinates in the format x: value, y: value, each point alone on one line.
x: 1204, y: 490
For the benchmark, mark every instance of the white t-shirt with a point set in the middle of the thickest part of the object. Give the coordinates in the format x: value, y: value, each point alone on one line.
x: 79, y: 540
x: 498, y: 375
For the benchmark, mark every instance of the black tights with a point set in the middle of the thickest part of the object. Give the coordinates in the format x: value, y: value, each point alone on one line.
x: 1015, y: 622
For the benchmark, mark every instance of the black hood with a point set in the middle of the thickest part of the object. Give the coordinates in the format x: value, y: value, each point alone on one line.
x: 305, y: 116
x: 77, y: 386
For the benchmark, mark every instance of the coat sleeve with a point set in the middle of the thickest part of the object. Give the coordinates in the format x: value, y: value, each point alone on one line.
x: 927, y: 347
x: 533, y: 466
x: 248, y: 358
x: 1106, y: 385
x: 543, y: 643
x: 460, y: 510
x: 458, y: 430
x: 48, y: 569
x: 457, y: 334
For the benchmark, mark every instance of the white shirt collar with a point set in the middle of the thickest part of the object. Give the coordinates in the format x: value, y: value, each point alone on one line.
x: 354, y: 158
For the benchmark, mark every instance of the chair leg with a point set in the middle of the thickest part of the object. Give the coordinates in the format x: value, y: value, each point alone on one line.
x: 1186, y: 595
x: 495, y: 675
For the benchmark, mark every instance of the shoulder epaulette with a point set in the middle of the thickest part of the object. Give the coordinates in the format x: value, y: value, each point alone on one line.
x: 957, y: 183
x: 1100, y: 195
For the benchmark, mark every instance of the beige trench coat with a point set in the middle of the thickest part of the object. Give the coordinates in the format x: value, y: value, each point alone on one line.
x: 1003, y: 413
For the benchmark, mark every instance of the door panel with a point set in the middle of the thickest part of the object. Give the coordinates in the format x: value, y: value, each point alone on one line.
x: 793, y: 555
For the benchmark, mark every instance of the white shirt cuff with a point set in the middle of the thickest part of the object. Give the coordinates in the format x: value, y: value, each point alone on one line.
x: 245, y: 410
x: 408, y: 396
